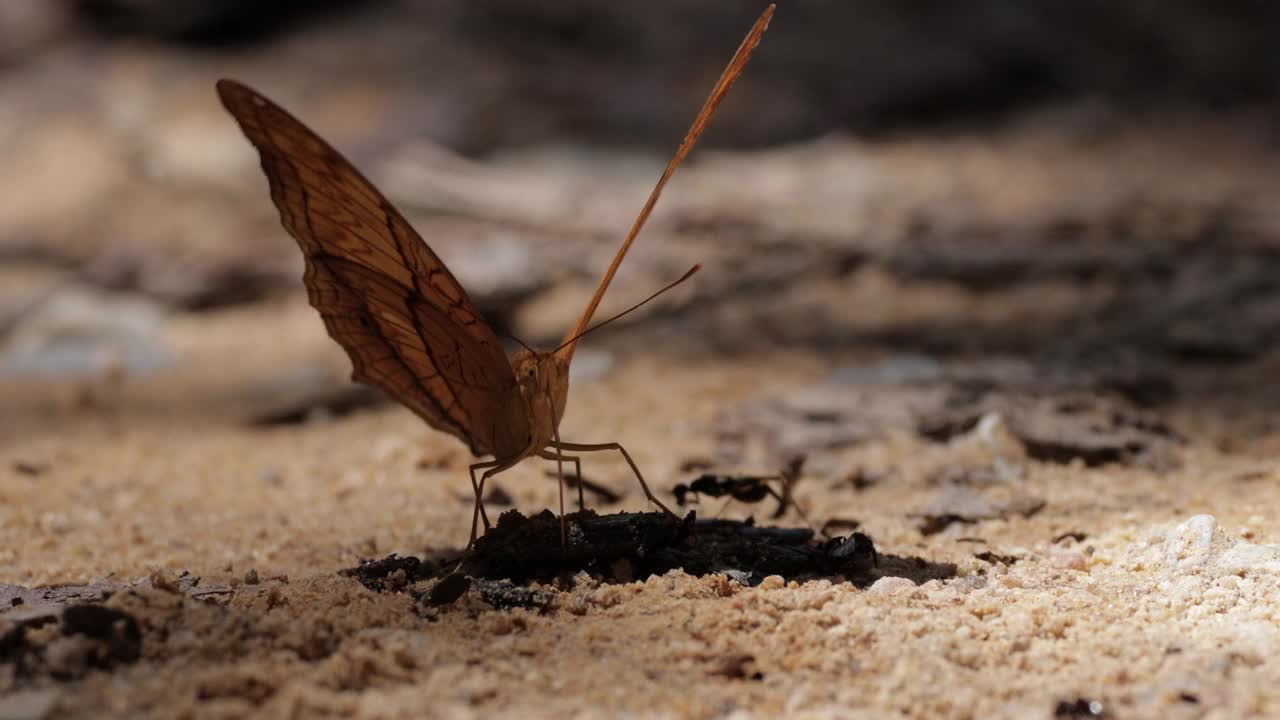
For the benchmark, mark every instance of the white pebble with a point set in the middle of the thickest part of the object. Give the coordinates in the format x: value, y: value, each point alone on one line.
x: 891, y: 586
x: 1249, y: 558
x: 1188, y: 546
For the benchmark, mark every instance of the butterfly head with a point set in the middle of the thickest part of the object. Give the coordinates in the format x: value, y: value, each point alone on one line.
x: 544, y: 383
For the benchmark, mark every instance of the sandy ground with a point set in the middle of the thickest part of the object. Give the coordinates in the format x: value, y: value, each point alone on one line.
x: 1164, y: 602
x: 1033, y: 361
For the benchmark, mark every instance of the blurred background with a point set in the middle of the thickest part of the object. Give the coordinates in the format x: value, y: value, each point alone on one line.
x: 1083, y: 190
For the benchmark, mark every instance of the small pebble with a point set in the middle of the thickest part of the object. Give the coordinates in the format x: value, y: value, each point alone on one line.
x: 773, y: 582
x: 1069, y: 559
x: 1250, y: 559
x: 1187, y: 547
x: 162, y: 580
x: 891, y: 586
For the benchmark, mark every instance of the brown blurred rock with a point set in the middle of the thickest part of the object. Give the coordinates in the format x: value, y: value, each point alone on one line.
x: 29, y: 26
x: 960, y: 504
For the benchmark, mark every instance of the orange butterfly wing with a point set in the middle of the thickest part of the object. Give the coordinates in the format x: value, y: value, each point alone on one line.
x: 407, y: 325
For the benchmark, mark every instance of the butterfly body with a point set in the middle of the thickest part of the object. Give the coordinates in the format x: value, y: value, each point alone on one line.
x: 543, y: 378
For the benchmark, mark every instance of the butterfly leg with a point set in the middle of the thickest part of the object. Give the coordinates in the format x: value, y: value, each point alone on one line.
x: 577, y: 472
x: 594, y: 447
x: 555, y: 433
x: 478, y: 487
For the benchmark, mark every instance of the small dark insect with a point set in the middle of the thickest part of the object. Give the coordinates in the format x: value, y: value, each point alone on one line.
x: 745, y: 488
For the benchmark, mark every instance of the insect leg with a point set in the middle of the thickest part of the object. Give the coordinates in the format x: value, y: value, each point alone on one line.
x: 594, y: 447
x: 786, y: 501
x: 478, y: 486
x: 555, y: 432
x: 577, y: 472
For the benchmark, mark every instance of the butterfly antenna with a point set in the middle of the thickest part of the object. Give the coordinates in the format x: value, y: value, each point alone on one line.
x: 519, y: 342
x: 700, y: 122
x: 637, y: 306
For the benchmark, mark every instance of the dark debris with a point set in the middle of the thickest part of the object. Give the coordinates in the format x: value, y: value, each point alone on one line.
x: 450, y: 588
x: 498, y: 496
x: 741, y: 666
x: 1059, y: 430
x: 391, y: 573
x: 101, y: 638
x: 1081, y: 708
x: 506, y: 595
x: 523, y: 549
x: 30, y: 469
x: 119, y: 631
x: 624, y: 547
x: 995, y: 558
x: 603, y: 493
x: 934, y: 524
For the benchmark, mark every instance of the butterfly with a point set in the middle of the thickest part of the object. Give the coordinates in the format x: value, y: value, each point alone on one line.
x: 403, y: 318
